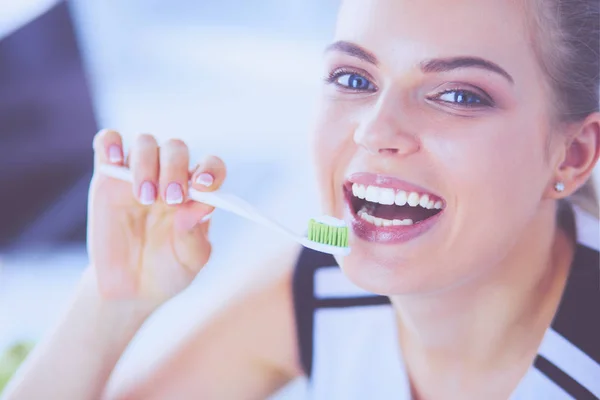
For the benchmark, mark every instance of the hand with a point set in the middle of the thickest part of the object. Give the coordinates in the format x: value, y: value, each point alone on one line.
x: 146, y: 241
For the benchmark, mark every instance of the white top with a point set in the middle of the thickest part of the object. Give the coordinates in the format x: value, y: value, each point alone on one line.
x: 348, y: 337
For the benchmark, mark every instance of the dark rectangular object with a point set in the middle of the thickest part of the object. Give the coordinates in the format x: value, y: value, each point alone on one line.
x: 47, y: 125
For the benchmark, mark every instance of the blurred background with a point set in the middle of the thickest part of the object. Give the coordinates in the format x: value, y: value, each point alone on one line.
x: 230, y: 77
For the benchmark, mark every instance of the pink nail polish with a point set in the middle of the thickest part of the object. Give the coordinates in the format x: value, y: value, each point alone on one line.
x: 174, y: 193
x: 114, y: 154
x: 205, y: 179
x: 147, y: 193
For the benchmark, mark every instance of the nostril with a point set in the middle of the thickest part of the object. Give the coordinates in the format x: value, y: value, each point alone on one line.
x: 388, y: 151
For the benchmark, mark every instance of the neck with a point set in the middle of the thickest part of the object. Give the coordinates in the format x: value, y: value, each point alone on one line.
x: 506, y: 311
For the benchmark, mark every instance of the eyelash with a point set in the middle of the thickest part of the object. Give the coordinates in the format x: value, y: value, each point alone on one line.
x: 336, y: 74
x: 485, y: 100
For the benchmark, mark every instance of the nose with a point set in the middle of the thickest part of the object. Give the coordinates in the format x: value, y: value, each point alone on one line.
x: 385, y: 129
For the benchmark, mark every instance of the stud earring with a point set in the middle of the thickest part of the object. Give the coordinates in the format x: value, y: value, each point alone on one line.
x: 559, y: 186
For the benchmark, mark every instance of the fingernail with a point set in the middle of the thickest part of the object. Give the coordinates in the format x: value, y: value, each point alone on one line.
x: 207, y: 217
x: 147, y: 193
x: 205, y: 179
x: 114, y: 154
x: 174, y: 193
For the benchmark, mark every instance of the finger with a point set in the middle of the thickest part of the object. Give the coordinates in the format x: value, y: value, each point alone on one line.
x: 174, y: 163
x: 144, y: 167
x: 209, y: 175
x: 108, y: 148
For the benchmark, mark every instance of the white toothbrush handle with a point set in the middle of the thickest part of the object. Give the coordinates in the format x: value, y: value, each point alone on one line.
x: 240, y: 207
x: 218, y: 199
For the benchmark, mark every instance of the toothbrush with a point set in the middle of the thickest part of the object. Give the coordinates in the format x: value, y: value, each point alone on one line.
x: 325, y: 234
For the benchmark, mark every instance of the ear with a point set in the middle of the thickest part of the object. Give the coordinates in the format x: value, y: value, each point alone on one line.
x: 579, y: 157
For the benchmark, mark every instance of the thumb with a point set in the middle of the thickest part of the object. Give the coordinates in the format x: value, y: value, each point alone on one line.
x: 190, y: 235
x: 191, y: 220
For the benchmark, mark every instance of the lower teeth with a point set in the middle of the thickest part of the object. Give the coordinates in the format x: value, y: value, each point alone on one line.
x: 382, y: 221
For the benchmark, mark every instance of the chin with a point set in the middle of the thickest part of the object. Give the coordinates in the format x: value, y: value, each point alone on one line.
x: 385, y: 274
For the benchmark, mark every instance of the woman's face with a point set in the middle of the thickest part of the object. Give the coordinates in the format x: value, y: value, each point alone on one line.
x: 424, y: 98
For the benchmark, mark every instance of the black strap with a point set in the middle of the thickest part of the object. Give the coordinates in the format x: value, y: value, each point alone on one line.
x: 563, y: 380
x: 305, y: 302
x: 346, y: 302
x: 578, y: 316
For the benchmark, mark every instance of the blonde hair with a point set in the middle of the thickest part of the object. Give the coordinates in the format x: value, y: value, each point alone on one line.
x: 566, y: 35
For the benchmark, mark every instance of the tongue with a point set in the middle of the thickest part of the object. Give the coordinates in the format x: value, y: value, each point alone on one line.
x: 399, y: 212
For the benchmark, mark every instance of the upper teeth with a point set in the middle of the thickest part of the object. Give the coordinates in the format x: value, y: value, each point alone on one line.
x: 388, y: 196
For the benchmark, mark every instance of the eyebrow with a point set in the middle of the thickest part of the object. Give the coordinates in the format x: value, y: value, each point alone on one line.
x: 353, y: 50
x: 452, y: 63
x: 427, y: 66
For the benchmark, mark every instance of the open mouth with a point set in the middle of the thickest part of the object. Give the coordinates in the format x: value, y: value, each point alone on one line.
x: 391, y: 207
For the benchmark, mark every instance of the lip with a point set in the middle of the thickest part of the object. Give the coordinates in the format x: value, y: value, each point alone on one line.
x: 390, y: 234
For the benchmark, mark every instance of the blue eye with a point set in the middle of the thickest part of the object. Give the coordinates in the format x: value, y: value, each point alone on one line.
x: 352, y: 81
x: 463, y: 97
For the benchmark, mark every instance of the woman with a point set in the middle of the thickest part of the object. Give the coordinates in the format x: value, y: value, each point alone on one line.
x: 447, y: 138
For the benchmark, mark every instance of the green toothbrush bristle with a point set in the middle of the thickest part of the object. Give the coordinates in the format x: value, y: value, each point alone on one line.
x: 327, y: 234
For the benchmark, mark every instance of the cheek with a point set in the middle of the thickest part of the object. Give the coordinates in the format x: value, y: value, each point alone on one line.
x: 333, y: 147
x: 485, y: 165
x: 333, y: 129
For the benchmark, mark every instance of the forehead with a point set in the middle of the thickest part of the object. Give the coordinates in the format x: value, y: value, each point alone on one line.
x: 405, y: 31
